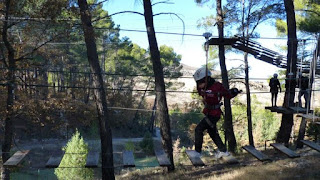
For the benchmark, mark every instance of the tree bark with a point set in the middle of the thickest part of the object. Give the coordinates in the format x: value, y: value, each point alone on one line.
x: 249, y: 114
x: 99, y: 93
x: 224, y: 74
x: 287, y: 119
x: 11, y: 80
x: 162, y: 114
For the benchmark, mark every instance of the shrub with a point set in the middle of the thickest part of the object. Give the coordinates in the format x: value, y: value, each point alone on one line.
x: 72, y: 165
x: 129, y: 146
x: 147, y: 143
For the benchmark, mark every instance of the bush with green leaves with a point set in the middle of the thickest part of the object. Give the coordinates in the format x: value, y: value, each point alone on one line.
x: 147, y: 143
x: 129, y: 146
x: 72, y: 165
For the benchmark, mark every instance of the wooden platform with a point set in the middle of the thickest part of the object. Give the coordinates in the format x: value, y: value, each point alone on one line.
x: 55, y: 159
x: 299, y: 110
x: 128, y: 159
x: 309, y: 117
x: 194, y: 158
x: 162, y: 158
x: 92, y: 159
x: 16, y: 158
x: 311, y: 144
x: 285, y: 150
x: 259, y: 155
x: 280, y: 109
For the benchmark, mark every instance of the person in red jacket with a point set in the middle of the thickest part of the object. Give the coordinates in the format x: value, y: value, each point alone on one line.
x: 212, y: 93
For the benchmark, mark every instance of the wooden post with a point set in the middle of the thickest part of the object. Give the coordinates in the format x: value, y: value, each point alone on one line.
x: 302, y: 131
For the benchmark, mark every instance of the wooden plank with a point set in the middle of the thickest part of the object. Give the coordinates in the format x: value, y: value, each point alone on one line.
x: 313, y: 145
x: 309, y: 117
x: 259, y: 155
x: 128, y: 159
x: 195, y: 158
x: 299, y: 109
x: 162, y: 158
x: 16, y: 158
x: 285, y: 150
x: 92, y: 159
x: 302, y: 131
x: 55, y: 159
x: 279, y: 109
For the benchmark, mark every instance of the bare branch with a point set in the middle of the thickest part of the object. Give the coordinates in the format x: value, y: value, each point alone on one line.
x: 310, y: 11
x: 34, y: 50
x: 122, y: 12
x: 134, y: 12
x: 101, y: 2
x: 174, y: 15
x: 163, y: 2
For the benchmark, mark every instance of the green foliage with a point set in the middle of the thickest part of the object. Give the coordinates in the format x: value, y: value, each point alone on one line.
x: 265, y: 123
x: 183, y: 119
x: 314, y: 129
x: 308, y: 15
x: 72, y: 165
x: 281, y: 27
x: 147, y: 143
x: 129, y: 146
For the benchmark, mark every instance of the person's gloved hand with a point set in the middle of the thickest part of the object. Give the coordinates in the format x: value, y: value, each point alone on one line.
x: 235, y: 91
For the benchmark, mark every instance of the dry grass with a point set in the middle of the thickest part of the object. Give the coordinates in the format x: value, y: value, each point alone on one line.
x: 300, y: 168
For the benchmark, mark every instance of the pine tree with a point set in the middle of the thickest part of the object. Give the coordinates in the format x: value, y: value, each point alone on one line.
x: 72, y: 165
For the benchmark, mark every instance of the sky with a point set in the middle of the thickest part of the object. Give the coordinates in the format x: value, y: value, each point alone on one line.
x: 190, y: 46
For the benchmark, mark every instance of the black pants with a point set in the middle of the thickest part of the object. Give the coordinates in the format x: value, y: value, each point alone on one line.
x: 213, y: 132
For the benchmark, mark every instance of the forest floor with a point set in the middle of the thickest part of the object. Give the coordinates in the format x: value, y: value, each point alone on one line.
x: 281, y: 167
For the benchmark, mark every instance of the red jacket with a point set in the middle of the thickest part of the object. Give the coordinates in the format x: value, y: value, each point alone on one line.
x: 212, y: 97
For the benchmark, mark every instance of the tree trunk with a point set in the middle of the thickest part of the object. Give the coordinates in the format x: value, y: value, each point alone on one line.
x: 99, y: 93
x: 8, y: 123
x: 287, y: 119
x: 153, y: 116
x: 163, y: 114
x: 224, y: 73
x: 249, y: 114
x: 135, y: 118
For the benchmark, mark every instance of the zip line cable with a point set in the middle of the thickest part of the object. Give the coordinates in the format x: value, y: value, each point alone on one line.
x: 34, y: 70
x: 14, y: 19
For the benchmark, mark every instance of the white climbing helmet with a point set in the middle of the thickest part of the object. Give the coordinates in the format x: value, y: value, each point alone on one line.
x: 201, y: 73
x: 275, y: 75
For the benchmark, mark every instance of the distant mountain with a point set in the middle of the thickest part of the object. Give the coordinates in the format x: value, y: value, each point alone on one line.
x: 188, y: 70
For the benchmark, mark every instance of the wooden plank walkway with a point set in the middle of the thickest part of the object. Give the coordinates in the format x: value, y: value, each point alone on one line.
x: 285, y: 150
x: 299, y: 109
x: 128, y: 159
x: 194, y: 158
x: 259, y: 155
x: 280, y: 109
x: 313, y: 145
x: 16, y: 158
x: 162, y: 158
x: 55, y: 159
x: 92, y: 159
x: 309, y: 116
